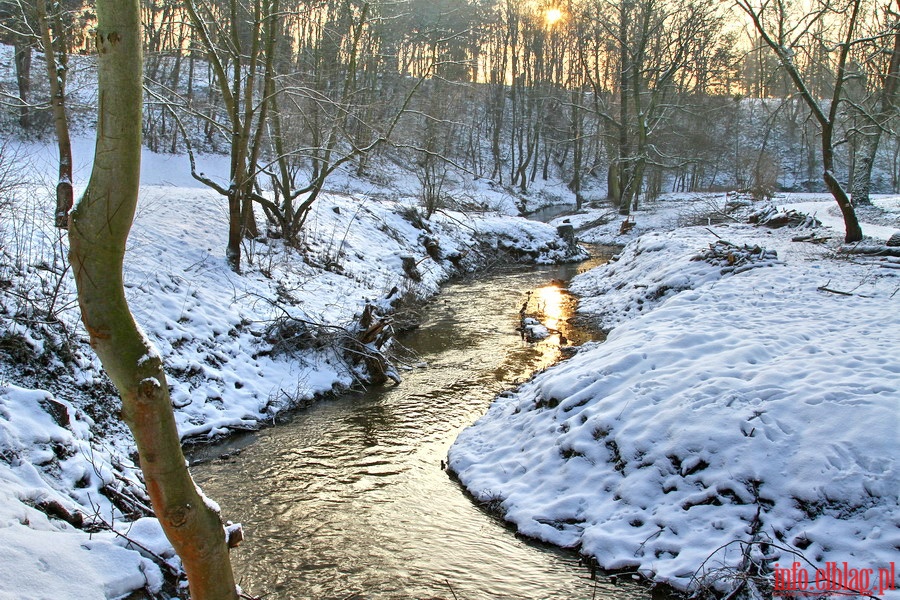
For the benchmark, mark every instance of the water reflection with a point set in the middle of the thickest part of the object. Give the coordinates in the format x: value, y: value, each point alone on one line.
x: 549, y: 300
x: 349, y: 500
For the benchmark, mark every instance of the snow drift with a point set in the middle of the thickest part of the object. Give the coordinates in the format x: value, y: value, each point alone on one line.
x: 728, y: 404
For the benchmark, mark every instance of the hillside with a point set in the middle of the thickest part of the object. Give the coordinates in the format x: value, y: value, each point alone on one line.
x: 240, y: 350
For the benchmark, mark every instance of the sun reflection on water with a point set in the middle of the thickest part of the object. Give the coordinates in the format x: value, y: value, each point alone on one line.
x: 555, y: 308
x: 549, y: 304
x: 347, y: 500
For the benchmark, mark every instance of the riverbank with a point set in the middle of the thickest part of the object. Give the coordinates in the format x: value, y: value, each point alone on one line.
x: 347, y: 499
x: 741, y: 416
x: 239, y: 349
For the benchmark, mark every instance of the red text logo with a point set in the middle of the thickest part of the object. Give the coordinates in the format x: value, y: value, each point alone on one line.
x: 837, y: 579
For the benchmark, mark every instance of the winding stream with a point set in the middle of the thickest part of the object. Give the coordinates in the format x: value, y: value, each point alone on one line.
x: 348, y: 500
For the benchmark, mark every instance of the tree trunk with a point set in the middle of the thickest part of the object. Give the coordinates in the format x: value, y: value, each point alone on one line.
x: 578, y: 148
x: 851, y: 223
x: 853, y: 231
x: 498, y: 99
x: 22, y: 52
x: 56, y: 74
x: 99, y: 228
x: 624, y: 156
x: 613, y: 184
x: 235, y: 228
x: 861, y: 182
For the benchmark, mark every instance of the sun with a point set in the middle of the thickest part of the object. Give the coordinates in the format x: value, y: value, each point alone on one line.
x: 552, y: 16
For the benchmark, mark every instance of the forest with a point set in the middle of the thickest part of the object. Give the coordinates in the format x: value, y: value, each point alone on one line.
x: 625, y: 100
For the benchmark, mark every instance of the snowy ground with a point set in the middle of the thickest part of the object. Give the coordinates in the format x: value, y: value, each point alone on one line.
x: 736, y: 399
x: 239, y: 349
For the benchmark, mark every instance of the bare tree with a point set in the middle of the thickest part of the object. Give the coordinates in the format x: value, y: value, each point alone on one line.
x: 16, y: 29
x: 30, y: 24
x: 328, y: 109
x: 98, y: 231
x: 168, y: 69
x: 239, y: 45
x: 882, y: 104
x: 639, y: 58
x: 56, y: 59
x: 786, y: 36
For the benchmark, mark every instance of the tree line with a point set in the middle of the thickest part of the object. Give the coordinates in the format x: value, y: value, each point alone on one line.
x: 622, y: 98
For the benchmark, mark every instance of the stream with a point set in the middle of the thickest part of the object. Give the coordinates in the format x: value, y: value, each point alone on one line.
x: 348, y: 500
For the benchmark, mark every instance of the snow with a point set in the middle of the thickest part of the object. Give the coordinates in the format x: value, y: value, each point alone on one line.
x: 726, y: 404
x: 826, y: 210
x: 238, y: 350
x: 48, y: 564
x: 727, y: 387
x: 211, y: 325
x: 42, y: 558
x: 534, y: 329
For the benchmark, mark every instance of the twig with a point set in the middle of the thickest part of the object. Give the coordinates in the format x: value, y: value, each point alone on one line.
x: 770, y: 544
x: 822, y: 288
x: 872, y: 250
x: 102, y: 523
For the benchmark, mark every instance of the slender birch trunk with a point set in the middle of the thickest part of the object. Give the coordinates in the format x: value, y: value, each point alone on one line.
x: 99, y: 227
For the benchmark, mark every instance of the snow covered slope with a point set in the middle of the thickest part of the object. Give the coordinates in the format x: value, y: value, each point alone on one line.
x: 736, y: 399
x: 238, y: 351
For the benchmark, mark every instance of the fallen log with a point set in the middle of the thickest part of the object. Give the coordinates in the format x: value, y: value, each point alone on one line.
x: 373, y: 333
x: 875, y: 250
x: 812, y: 239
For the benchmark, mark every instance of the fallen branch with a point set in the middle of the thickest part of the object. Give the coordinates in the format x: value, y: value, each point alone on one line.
x: 736, y: 259
x: 822, y: 288
x: 374, y: 333
x: 54, y: 509
x: 770, y: 216
x: 760, y: 576
x: 102, y: 524
x: 872, y: 250
x: 812, y: 239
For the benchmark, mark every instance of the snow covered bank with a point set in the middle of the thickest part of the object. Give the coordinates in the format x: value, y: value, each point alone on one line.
x: 243, y: 348
x: 736, y: 398
x: 239, y: 350
x: 53, y: 466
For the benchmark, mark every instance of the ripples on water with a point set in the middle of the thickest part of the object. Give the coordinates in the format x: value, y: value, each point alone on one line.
x: 348, y: 500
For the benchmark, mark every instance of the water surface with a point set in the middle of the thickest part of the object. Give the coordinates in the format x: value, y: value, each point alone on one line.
x: 349, y: 499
